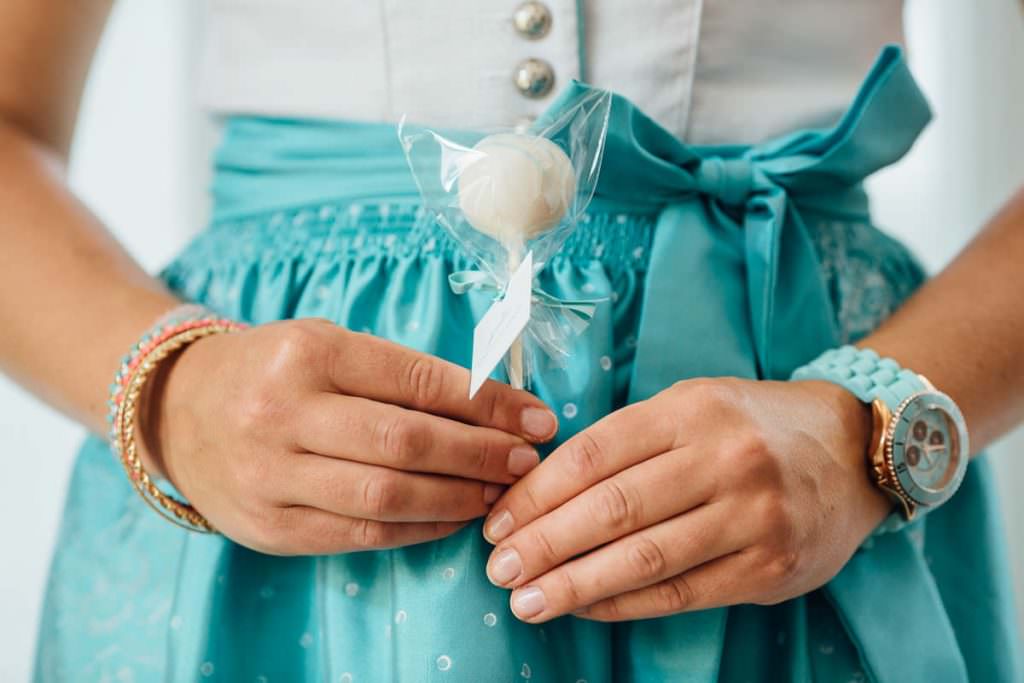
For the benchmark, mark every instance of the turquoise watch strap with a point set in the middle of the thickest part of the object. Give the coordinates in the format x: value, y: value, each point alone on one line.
x: 864, y: 374
x: 868, y: 377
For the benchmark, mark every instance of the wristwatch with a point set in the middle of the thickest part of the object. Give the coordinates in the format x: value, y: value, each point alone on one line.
x: 919, y: 448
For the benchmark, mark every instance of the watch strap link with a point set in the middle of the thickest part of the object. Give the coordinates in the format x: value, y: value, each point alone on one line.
x: 865, y: 374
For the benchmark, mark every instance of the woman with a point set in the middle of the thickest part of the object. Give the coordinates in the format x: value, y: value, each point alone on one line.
x: 357, y: 491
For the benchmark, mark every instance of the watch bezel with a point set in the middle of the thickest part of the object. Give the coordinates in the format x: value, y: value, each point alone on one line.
x: 895, y: 457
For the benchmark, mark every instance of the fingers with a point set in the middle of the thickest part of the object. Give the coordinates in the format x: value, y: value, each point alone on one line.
x: 637, y: 561
x: 718, y: 583
x: 380, y: 434
x: 377, y: 369
x: 376, y: 493
x: 587, y: 458
x: 309, y: 531
x: 645, y: 494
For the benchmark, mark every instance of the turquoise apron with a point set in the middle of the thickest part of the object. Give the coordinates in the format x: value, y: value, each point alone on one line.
x: 733, y: 286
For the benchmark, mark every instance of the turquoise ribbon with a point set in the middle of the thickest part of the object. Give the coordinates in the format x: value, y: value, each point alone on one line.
x: 577, y: 313
x: 734, y: 289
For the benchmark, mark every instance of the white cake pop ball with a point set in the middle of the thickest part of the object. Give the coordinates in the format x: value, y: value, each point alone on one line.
x: 517, y: 187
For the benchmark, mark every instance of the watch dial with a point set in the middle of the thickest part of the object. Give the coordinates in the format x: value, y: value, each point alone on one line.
x: 926, y: 448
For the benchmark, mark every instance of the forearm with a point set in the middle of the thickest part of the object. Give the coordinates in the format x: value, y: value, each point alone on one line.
x: 964, y: 329
x: 71, y: 300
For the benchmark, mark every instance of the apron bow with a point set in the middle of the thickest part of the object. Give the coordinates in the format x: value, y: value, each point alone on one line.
x: 734, y: 288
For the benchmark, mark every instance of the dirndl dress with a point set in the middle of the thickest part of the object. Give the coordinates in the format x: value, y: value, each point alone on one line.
x: 744, y: 261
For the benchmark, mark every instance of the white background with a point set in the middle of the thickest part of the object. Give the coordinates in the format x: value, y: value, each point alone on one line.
x: 140, y: 161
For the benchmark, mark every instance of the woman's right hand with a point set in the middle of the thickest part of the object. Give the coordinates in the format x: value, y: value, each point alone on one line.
x: 302, y: 437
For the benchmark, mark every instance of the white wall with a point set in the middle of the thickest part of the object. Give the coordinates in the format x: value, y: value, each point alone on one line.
x: 140, y: 120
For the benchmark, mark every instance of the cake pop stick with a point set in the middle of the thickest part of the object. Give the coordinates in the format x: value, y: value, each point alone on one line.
x: 514, y: 249
x: 515, y: 188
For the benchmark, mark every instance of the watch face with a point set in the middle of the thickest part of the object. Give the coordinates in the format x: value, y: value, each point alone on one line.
x: 928, y: 447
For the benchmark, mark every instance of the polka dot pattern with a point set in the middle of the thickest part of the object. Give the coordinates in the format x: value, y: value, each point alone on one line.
x: 332, y: 615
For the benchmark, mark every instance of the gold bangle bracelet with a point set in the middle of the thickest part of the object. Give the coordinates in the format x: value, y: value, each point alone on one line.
x: 176, y: 511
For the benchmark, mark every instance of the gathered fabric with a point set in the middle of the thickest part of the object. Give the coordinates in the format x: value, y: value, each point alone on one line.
x: 738, y: 261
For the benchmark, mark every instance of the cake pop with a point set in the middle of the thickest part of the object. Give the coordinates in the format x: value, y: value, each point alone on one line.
x: 514, y: 188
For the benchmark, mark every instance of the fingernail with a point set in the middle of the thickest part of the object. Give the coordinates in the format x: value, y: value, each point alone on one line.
x: 492, y: 492
x: 521, y: 460
x: 505, y: 567
x: 498, y: 527
x: 539, y: 423
x: 528, y: 602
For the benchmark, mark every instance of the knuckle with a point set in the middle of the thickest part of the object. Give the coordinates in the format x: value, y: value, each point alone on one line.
x: 776, y: 518
x: 707, y: 391
x: 585, y: 456
x: 270, y: 529
x: 370, y: 534
x: 750, y: 459
x: 754, y: 442
x: 668, y: 422
x: 781, y: 559
x: 492, y: 408
x: 569, y: 588
x: 530, y: 499
x: 540, y: 541
x: 647, y: 560
x: 782, y: 565
x: 675, y: 595
x: 258, y: 409
x: 380, y: 494
x: 770, y: 600
x: 398, y: 440
x: 340, y: 352
x: 424, y: 382
x: 609, y: 609
x: 315, y: 537
x: 481, y: 457
x: 297, y: 345
x: 614, y: 507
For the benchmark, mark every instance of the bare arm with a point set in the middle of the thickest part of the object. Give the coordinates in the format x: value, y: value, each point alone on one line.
x: 964, y: 329
x: 73, y: 301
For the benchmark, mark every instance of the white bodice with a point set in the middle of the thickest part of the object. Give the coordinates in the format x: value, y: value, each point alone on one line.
x: 711, y: 71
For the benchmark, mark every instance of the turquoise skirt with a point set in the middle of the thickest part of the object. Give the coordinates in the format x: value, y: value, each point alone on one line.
x: 322, y: 219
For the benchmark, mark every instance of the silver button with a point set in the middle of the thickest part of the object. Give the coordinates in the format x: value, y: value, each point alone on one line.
x: 532, y: 20
x: 534, y: 78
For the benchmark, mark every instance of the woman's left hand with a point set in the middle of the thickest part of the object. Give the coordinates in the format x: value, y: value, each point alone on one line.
x: 714, y: 492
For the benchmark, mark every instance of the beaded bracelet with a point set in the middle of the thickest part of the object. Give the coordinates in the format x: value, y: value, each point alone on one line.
x: 179, y: 328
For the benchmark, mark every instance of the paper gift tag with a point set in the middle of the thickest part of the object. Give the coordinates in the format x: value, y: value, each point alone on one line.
x: 504, y: 321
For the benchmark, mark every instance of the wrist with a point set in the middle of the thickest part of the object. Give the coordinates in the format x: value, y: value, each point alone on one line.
x: 855, y: 421
x: 138, y: 404
x: 167, y: 421
x: 851, y: 413
x: 919, y: 456
x: 152, y: 421
x: 146, y: 360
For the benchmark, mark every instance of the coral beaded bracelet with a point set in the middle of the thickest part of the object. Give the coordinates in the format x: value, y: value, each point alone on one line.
x: 175, y: 330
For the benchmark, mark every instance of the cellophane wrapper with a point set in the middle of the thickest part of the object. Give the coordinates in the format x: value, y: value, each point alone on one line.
x: 437, y: 159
